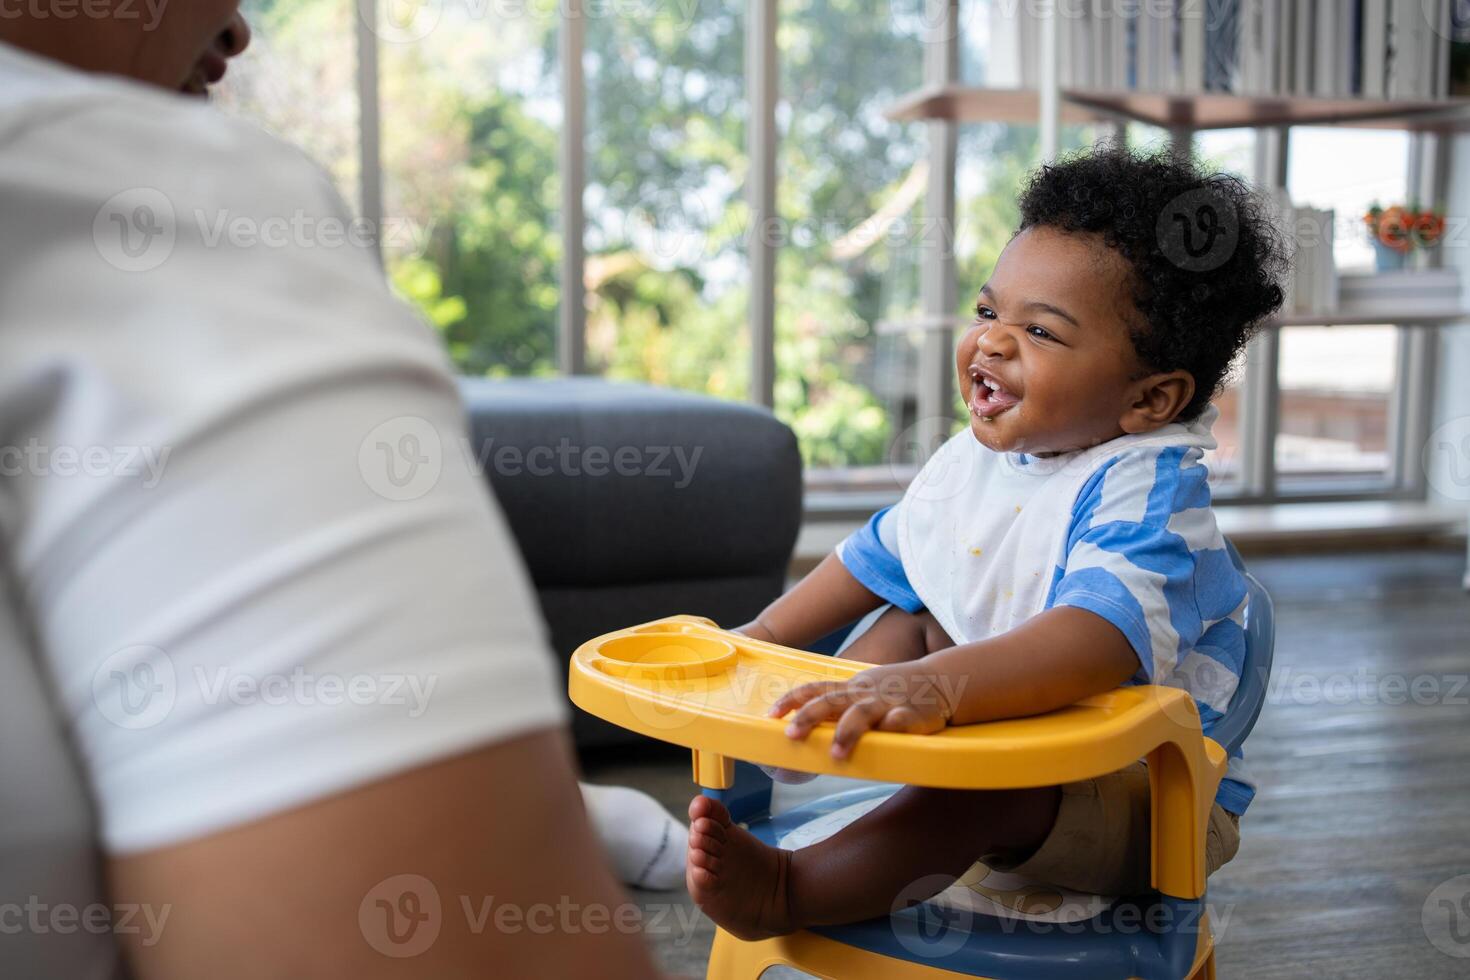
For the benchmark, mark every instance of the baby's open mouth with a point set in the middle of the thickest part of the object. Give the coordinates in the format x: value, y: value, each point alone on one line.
x: 988, y: 396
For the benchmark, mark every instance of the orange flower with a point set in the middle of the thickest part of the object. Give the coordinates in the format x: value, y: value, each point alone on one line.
x: 1394, y: 226
x: 1428, y: 227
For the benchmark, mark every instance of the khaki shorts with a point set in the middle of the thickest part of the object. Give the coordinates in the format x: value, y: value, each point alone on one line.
x: 1100, y: 843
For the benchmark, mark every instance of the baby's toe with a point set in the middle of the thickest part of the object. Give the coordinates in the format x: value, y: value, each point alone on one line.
x: 707, y: 860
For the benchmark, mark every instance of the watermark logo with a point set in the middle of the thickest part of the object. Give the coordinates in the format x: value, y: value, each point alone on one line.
x: 669, y: 225
x: 1446, y: 917
x: 401, y: 916
x: 928, y: 929
x: 411, y: 692
x: 135, y: 231
x: 136, y: 687
x: 1446, y: 459
x: 402, y: 459
x: 1447, y: 18
x: 138, y: 230
x: 1364, y: 686
x: 941, y: 474
x: 401, y: 21
x: 1198, y: 230
x: 142, y: 463
x: 40, y: 918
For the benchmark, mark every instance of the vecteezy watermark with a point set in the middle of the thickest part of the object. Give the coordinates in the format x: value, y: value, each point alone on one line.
x: 138, y: 687
x: 929, y: 929
x: 135, y: 688
x: 1446, y: 459
x: 1446, y: 917
x: 933, y: 916
x: 138, y: 230
x: 403, y: 459
x: 403, y: 916
x: 37, y: 917
x: 1367, y: 687
x: 36, y: 458
x: 300, y: 686
x: 917, y: 446
x: 1198, y: 230
x: 135, y: 230
x: 1447, y: 18
x: 410, y: 21
x: 148, y: 11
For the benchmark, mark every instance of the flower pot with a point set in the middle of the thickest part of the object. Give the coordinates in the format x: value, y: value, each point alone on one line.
x: 1387, y: 259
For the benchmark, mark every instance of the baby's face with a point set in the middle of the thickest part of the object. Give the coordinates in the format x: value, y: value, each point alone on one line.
x: 1048, y: 365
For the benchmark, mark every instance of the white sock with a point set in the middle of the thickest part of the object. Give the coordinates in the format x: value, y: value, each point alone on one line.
x: 646, y: 844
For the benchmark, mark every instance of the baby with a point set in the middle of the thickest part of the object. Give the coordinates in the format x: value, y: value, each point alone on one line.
x: 1059, y: 547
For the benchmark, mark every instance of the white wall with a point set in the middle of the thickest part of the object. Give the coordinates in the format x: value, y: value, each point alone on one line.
x: 1449, y: 451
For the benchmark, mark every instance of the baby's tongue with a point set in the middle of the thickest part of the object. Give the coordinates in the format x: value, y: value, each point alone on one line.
x: 999, y: 399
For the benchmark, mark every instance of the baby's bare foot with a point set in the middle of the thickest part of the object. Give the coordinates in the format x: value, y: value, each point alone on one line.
x: 733, y: 877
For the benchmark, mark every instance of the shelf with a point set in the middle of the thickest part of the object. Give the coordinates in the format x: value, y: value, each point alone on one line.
x: 1366, y: 316
x: 1210, y: 110
x: 967, y: 104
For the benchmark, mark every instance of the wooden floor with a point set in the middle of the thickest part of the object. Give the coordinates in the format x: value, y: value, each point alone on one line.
x: 1364, y: 806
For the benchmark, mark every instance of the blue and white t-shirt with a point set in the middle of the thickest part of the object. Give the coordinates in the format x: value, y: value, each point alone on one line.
x: 985, y: 540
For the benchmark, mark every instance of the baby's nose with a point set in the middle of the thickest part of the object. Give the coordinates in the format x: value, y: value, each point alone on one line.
x: 995, y: 342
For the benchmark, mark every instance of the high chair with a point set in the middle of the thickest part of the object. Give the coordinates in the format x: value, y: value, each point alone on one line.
x: 685, y: 681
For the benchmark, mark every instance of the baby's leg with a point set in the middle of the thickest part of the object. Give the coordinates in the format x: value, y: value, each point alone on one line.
x: 910, y: 848
x: 897, y: 637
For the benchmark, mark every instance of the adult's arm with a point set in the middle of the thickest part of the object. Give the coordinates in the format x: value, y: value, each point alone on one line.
x: 493, y: 845
x: 289, y: 632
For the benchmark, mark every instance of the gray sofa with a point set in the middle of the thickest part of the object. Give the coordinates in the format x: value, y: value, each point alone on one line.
x: 631, y: 502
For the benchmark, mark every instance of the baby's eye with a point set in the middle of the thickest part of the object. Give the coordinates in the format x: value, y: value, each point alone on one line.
x: 1036, y: 331
x: 984, y: 313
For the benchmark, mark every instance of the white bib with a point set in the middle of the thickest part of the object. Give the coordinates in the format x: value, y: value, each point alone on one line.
x: 981, y: 534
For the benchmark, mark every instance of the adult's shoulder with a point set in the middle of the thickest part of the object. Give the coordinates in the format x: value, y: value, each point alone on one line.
x: 70, y: 131
x: 139, y: 215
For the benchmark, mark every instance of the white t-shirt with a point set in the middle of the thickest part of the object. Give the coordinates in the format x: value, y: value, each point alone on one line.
x: 246, y: 554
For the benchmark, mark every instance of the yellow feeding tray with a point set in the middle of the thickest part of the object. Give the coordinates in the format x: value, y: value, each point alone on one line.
x: 686, y: 681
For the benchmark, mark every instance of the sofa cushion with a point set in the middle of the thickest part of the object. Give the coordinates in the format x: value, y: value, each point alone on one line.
x: 609, y: 483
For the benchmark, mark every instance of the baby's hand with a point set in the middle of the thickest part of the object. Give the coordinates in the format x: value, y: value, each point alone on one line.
x: 892, y: 698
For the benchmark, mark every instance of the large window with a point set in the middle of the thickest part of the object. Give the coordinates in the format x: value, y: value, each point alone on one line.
x: 851, y: 218
x: 445, y: 124
x: 299, y: 82
x: 1335, y: 382
x: 666, y: 279
x: 471, y: 111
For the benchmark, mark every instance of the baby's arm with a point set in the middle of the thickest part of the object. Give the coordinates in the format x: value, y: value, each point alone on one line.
x: 1050, y: 661
x: 827, y: 598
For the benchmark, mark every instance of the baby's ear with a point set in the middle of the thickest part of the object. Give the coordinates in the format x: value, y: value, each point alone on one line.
x: 1156, y: 400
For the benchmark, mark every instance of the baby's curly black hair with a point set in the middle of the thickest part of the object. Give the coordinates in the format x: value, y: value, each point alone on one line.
x: 1206, y: 258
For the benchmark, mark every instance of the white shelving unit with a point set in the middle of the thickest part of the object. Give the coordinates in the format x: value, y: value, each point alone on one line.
x: 944, y: 104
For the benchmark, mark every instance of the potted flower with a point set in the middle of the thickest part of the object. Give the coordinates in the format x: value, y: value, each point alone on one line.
x: 1396, y: 231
